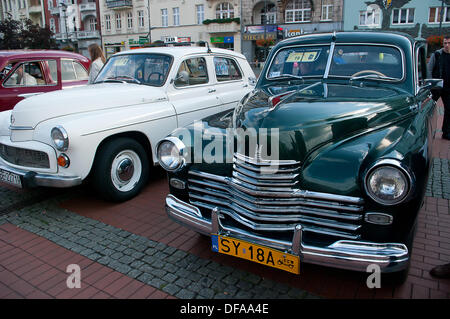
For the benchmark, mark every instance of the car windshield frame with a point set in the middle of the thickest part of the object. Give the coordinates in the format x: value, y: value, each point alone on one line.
x: 327, y: 73
x: 123, y: 78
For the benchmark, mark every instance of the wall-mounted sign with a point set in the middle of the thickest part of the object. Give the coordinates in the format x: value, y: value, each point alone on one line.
x: 293, y: 33
x: 222, y: 39
x: 260, y: 28
x: 254, y: 37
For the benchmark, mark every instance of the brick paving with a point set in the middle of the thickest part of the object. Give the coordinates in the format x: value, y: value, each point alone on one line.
x: 133, y: 250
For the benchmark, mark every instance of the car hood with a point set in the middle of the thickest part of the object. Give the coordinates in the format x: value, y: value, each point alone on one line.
x: 321, y: 114
x: 32, y: 111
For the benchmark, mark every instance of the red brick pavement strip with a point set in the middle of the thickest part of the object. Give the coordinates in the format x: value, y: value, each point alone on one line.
x: 35, y: 268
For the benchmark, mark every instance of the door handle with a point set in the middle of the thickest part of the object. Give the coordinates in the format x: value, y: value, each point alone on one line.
x: 245, y: 85
x: 211, y: 90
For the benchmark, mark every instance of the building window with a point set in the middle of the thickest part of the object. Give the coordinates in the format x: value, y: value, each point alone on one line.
x: 108, y: 22
x: 370, y: 17
x: 269, y: 17
x: 164, y: 18
x: 118, y: 21
x: 403, y: 16
x: 92, y: 24
x: 176, y: 16
x: 50, y: 4
x: 130, y: 20
x: 327, y: 10
x: 200, y: 13
x: 141, y: 20
x: 224, y: 10
x: 52, y: 25
x: 435, y: 15
x: 298, y: 11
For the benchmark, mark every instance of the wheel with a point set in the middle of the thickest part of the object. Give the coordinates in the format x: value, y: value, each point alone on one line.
x: 368, y: 71
x: 121, y: 169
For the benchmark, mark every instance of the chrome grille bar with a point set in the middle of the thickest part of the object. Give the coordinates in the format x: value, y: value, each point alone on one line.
x: 263, y: 195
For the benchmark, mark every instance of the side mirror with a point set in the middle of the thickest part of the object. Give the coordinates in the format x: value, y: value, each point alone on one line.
x: 433, y: 84
x: 183, y: 76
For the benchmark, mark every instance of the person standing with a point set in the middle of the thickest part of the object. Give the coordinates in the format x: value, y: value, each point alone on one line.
x: 97, y: 61
x: 439, y: 68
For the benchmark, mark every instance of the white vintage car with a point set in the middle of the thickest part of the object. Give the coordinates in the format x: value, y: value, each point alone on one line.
x: 110, y: 129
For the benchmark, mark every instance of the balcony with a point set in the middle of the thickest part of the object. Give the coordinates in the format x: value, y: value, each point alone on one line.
x: 231, y: 27
x: 91, y: 6
x: 35, y: 9
x: 78, y: 35
x: 119, y: 4
x: 54, y: 11
x: 88, y: 9
x: 88, y: 35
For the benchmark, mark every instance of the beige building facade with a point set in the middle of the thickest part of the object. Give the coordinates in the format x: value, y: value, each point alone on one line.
x: 23, y: 9
x: 125, y: 23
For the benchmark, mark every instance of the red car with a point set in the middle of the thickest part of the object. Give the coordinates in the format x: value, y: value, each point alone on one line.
x: 24, y: 73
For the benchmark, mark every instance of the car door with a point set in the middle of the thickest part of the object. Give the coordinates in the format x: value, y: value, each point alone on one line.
x: 73, y: 74
x: 231, y: 84
x: 192, y: 92
x: 27, y: 78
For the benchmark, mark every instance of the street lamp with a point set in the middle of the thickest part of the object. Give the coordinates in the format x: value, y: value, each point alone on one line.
x: 64, y: 10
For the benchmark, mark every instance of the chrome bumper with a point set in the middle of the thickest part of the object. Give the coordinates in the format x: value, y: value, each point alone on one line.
x: 33, y: 179
x: 344, y: 254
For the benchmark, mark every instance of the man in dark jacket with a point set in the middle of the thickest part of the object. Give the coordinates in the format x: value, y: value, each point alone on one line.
x: 439, y: 68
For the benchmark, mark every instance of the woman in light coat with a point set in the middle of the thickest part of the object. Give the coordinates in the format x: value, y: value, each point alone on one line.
x: 97, y: 58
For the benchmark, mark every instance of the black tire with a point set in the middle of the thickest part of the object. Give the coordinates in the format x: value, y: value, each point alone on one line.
x: 130, y: 173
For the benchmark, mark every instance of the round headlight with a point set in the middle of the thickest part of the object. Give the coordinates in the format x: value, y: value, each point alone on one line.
x: 387, y: 185
x: 60, y: 138
x: 170, y: 153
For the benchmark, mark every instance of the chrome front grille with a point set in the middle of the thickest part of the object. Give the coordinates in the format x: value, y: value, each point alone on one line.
x: 264, y: 196
x: 24, y: 157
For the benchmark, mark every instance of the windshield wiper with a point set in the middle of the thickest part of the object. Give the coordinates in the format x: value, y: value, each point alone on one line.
x: 124, y: 79
x: 292, y: 76
x: 372, y: 77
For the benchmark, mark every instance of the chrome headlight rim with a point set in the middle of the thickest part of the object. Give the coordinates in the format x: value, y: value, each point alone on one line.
x: 392, y: 163
x: 65, y: 138
x: 179, y: 145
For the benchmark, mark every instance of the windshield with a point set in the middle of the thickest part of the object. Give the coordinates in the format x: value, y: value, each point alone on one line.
x: 299, y: 62
x: 368, y: 61
x: 148, y: 69
x: 372, y: 62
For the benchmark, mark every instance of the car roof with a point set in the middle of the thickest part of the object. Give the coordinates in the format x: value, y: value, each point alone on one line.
x: 40, y: 54
x: 389, y: 37
x: 178, y: 52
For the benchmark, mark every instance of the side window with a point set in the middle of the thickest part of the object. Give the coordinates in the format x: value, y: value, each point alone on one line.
x: 192, y: 72
x: 67, y: 71
x: 226, y: 70
x: 421, y: 66
x: 26, y: 74
x: 80, y: 71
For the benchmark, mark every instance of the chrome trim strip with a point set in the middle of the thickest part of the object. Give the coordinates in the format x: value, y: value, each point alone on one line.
x: 344, y: 254
x: 330, y: 58
x: 21, y: 128
x: 251, y: 167
x: 265, y: 162
x: 270, y: 183
x: 263, y: 176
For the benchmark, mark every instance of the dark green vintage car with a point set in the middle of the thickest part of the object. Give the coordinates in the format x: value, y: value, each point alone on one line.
x: 326, y: 161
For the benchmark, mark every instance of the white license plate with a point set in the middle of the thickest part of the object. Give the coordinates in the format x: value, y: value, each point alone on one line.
x: 10, y: 178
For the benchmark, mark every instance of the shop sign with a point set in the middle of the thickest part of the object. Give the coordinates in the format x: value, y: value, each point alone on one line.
x: 254, y: 37
x: 293, y: 33
x: 260, y: 29
x: 222, y: 39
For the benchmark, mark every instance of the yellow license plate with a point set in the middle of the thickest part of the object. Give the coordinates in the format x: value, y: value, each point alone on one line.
x: 259, y: 254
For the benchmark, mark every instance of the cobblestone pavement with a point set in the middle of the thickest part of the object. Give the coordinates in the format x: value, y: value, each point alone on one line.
x: 134, y: 249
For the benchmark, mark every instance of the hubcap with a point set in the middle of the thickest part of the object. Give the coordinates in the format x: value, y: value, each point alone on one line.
x: 126, y: 170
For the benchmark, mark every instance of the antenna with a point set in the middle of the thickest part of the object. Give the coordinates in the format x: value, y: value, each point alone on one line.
x: 209, y: 49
